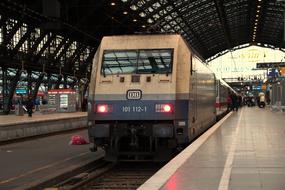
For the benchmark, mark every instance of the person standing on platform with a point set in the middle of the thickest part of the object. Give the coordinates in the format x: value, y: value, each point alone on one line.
x: 229, y: 101
x: 239, y: 100
x: 261, y: 103
x: 30, y: 105
x: 84, y: 104
x: 234, y: 102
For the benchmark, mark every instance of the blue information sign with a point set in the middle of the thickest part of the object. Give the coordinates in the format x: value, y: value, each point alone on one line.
x: 21, y: 91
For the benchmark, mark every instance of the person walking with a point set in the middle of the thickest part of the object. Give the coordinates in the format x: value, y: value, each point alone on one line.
x: 30, y: 106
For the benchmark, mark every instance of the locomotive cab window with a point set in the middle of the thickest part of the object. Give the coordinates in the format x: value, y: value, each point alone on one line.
x: 119, y: 62
x: 137, y: 61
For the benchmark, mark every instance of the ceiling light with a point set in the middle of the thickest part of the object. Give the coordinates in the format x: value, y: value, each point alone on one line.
x: 149, y: 20
x: 258, y: 6
x: 259, y: 0
x: 142, y: 14
x: 257, y: 15
x: 256, y: 20
x: 134, y: 7
x: 143, y: 26
x: 258, y: 11
x: 113, y: 4
x: 125, y: 12
x: 135, y: 20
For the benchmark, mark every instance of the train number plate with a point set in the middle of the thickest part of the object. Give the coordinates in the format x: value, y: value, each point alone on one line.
x: 134, y: 94
x: 138, y: 109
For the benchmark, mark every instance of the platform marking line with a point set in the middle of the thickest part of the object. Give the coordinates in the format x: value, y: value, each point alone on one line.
x: 161, y: 177
x: 225, y: 179
x: 41, y: 168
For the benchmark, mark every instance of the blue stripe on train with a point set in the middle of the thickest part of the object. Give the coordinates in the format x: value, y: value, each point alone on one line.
x: 140, y: 110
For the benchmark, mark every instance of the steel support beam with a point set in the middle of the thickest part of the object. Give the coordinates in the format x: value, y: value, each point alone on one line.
x: 85, y: 87
x: 3, y: 46
x: 37, y: 85
x: 65, y: 81
x: 2, y: 21
x: 5, y: 90
x: 59, y: 47
x: 83, y: 67
x: 10, y: 91
x: 223, y: 20
x: 45, y: 46
x: 21, y: 41
x: 30, y: 82
x: 49, y: 82
x: 36, y: 44
x: 10, y: 35
x: 73, y: 83
x: 76, y: 53
x: 58, y: 82
x: 63, y: 52
x: 70, y: 62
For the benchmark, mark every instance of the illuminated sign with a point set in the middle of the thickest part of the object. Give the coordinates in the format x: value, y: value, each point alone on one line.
x: 21, y: 91
x: 270, y: 65
x: 256, y: 87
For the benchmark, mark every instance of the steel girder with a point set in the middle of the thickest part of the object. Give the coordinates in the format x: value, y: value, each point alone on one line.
x: 21, y: 41
x: 37, y: 85
x: 10, y: 90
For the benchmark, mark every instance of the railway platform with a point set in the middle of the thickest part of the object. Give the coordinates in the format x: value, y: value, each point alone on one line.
x: 14, y: 127
x: 25, y: 165
x: 244, y: 151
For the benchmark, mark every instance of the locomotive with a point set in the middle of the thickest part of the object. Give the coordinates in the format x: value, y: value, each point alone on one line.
x: 149, y: 96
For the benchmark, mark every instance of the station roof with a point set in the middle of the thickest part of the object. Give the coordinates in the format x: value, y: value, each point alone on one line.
x: 211, y: 27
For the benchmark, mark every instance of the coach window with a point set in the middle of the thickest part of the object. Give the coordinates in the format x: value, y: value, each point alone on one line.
x: 119, y: 62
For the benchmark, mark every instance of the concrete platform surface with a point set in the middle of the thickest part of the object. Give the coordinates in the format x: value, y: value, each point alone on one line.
x: 22, y: 164
x: 6, y: 120
x: 245, y: 152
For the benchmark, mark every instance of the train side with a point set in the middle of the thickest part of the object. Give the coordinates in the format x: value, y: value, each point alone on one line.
x: 148, y: 96
x: 222, y: 98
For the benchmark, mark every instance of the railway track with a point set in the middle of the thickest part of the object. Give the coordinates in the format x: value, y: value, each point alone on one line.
x: 107, y: 175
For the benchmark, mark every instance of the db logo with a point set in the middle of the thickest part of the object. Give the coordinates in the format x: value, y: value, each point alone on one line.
x: 134, y: 94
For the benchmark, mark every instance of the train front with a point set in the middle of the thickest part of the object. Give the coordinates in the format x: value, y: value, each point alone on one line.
x: 132, y: 112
